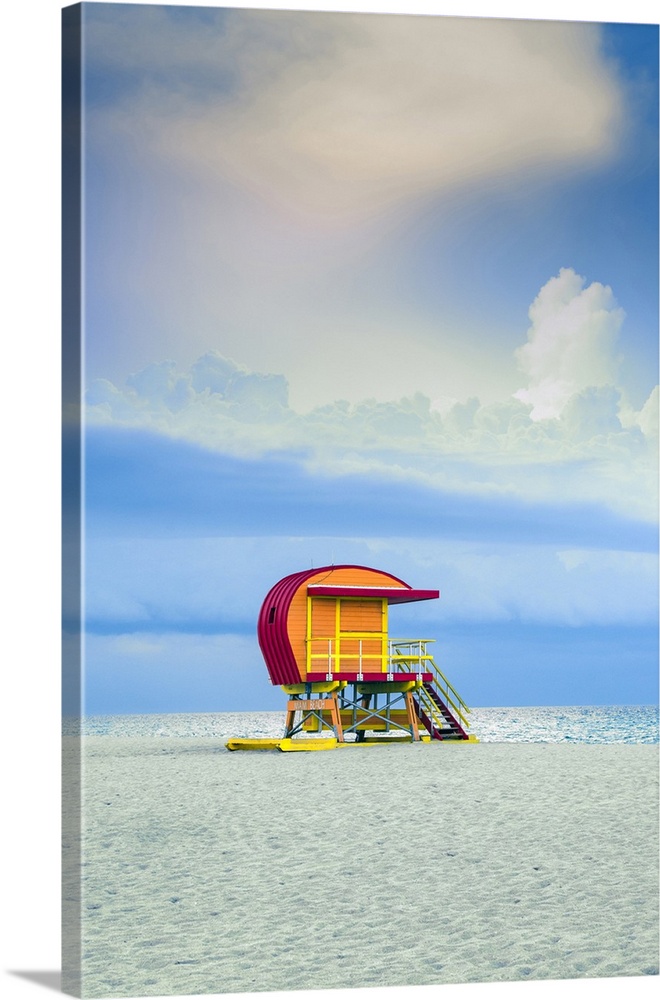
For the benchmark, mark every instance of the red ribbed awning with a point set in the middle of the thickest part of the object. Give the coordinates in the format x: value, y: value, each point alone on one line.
x: 393, y: 595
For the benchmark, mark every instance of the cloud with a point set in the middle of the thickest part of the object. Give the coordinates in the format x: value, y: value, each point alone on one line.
x: 216, y: 402
x: 220, y: 403
x: 499, y: 663
x: 570, y: 344
x: 515, y: 623
x: 588, y: 453
x: 647, y: 418
x: 229, y: 209
x: 344, y: 115
x: 214, y: 585
x: 171, y: 620
x: 252, y: 395
x: 170, y: 671
x: 147, y: 485
x: 546, y: 584
x: 592, y: 413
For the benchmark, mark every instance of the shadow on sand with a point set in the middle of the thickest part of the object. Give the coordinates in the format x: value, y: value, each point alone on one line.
x: 50, y: 979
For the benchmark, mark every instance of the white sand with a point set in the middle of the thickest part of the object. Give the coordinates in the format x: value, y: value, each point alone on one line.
x: 208, y: 872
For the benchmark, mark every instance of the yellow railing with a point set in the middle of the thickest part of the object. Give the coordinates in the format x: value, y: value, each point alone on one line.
x: 411, y: 656
x: 431, y: 709
x: 332, y: 658
x: 399, y: 655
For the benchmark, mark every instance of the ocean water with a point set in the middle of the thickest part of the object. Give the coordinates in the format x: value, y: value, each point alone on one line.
x: 563, y: 724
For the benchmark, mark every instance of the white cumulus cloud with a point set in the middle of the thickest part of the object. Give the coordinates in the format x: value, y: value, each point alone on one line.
x: 571, y: 344
x: 566, y: 435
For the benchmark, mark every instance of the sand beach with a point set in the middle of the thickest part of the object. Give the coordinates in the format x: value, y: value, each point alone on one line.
x: 205, y: 871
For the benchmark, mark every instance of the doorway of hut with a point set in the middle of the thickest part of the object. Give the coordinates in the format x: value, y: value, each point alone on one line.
x: 347, y: 634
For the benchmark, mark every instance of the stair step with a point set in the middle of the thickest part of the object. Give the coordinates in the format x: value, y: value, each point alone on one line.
x: 451, y: 730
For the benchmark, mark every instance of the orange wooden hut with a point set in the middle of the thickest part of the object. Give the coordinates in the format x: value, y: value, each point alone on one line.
x: 324, y: 634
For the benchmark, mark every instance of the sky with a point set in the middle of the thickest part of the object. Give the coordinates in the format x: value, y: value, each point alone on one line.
x: 369, y: 289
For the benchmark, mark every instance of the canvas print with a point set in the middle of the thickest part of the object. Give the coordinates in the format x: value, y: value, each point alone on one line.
x: 360, y: 522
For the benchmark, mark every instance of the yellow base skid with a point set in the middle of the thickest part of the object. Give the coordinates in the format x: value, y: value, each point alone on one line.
x: 288, y: 745
x: 326, y: 743
x: 253, y: 744
x: 329, y: 743
x: 322, y: 743
x: 375, y: 740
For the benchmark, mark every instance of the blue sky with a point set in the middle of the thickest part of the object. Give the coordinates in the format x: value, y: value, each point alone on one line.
x: 370, y: 289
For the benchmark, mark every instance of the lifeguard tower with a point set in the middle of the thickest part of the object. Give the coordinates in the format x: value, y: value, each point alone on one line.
x: 324, y: 635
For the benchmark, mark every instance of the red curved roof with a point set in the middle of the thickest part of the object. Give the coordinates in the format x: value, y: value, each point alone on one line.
x: 272, y: 631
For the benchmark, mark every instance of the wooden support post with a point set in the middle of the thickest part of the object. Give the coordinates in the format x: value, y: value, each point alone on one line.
x: 412, y: 715
x: 290, y: 717
x: 336, y: 717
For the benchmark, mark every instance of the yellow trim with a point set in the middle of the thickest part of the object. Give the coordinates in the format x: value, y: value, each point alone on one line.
x: 388, y: 687
x: 318, y: 687
x: 308, y: 635
x: 371, y: 741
